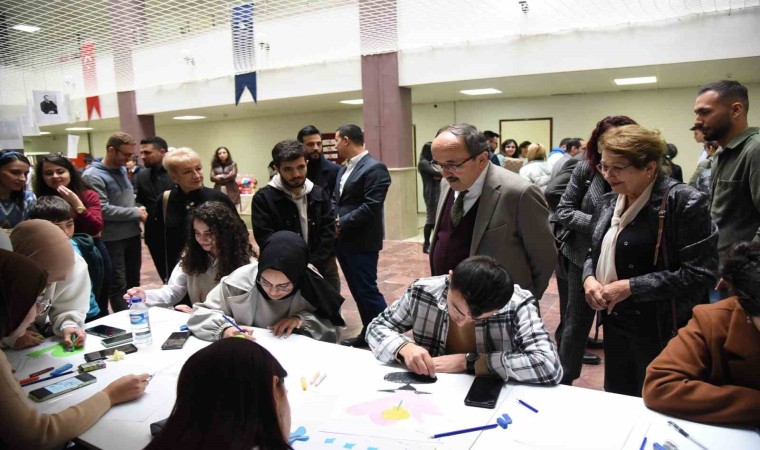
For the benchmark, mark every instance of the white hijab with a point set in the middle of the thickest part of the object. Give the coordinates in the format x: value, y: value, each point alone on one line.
x: 605, y: 268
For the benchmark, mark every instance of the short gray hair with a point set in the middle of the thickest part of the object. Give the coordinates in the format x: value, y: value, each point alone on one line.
x: 178, y: 157
x: 474, y: 140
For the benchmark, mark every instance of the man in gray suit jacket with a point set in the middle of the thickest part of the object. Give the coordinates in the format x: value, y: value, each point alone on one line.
x: 487, y: 210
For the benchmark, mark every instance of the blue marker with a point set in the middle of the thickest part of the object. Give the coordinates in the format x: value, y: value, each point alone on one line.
x: 466, y: 430
x: 233, y: 323
x: 527, y: 406
x: 643, y: 444
x: 61, y: 369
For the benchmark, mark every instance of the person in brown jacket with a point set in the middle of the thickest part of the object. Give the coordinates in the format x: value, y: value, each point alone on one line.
x: 710, y: 372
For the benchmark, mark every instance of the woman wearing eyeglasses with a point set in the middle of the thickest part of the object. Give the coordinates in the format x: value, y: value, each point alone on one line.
x: 15, y: 200
x: 217, y: 245
x: 21, y: 426
x: 279, y: 292
x: 654, y: 255
x: 66, y: 298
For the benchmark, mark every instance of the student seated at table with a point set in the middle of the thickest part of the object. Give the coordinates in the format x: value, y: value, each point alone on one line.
x: 68, y: 288
x: 59, y: 212
x: 710, y: 372
x: 21, y: 427
x: 474, y: 320
x: 248, y: 410
x: 216, y: 246
x: 279, y: 292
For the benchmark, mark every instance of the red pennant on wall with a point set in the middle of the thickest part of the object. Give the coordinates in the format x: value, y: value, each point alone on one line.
x: 93, y: 103
x: 87, y: 55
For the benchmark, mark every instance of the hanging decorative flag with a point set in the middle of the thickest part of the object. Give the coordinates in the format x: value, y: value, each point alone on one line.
x: 242, y: 81
x: 243, y: 50
x: 89, y: 73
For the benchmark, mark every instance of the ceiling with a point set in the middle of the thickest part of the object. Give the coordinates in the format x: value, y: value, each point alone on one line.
x: 692, y: 74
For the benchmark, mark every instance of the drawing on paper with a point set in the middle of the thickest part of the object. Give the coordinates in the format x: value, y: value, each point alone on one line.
x: 56, y: 350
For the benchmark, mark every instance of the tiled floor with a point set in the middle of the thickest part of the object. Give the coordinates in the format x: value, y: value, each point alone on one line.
x: 402, y: 262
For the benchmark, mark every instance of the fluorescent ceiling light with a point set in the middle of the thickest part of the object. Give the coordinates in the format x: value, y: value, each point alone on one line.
x: 189, y: 117
x: 357, y: 101
x: 27, y: 28
x: 639, y: 80
x: 42, y: 133
x: 485, y: 91
x: 78, y: 129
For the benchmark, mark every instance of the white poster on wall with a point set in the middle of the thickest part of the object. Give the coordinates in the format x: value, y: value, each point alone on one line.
x: 10, y: 134
x: 50, y: 107
x: 73, y: 147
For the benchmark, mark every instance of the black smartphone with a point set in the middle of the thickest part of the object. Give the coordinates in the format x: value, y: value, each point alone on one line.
x: 176, y: 340
x: 103, y: 354
x: 484, y: 392
x: 125, y: 338
x: 61, y: 387
x: 105, y: 331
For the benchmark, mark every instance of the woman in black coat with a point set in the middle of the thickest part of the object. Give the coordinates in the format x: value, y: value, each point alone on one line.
x: 645, y: 273
x: 431, y: 190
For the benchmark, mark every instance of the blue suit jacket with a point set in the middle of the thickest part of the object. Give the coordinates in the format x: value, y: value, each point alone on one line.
x: 359, y: 206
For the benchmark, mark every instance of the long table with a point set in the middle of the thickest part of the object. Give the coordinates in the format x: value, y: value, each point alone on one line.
x: 355, y: 407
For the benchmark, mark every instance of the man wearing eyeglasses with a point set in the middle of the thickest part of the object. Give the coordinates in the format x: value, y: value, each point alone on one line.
x: 121, y: 217
x: 487, y: 210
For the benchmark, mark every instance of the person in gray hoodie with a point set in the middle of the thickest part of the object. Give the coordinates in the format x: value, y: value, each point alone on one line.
x: 292, y: 202
x: 121, y: 217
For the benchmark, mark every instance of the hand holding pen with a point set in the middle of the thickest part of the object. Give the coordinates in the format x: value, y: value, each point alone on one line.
x: 236, y: 330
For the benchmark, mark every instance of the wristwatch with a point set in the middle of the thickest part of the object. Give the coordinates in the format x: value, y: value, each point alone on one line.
x: 471, y: 358
x: 81, y: 209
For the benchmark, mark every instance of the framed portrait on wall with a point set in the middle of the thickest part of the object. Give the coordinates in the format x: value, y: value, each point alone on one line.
x: 50, y: 107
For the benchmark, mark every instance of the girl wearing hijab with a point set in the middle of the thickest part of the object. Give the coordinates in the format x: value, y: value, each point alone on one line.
x: 68, y: 283
x: 250, y: 410
x: 279, y: 292
x: 21, y: 283
x: 217, y: 244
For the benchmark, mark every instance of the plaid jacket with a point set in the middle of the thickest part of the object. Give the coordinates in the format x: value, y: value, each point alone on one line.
x: 514, y: 340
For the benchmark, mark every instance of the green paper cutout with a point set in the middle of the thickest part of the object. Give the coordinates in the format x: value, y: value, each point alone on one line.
x: 58, y: 351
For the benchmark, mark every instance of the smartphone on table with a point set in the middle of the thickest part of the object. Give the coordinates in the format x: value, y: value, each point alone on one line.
x: 103, y: 354
x: 484, y: 392
x: 176, y: 340
x: 105, y: 331
x: 114, y: 341
x: 61, y: 387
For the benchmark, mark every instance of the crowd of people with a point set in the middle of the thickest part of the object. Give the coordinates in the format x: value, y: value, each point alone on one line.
x: 670, y: 271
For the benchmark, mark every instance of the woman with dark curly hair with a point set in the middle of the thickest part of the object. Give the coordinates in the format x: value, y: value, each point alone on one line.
x: 224, y: 172
x: 217, y: 245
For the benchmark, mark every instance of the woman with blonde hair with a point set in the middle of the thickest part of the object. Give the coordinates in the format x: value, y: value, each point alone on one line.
x: 537, y: 170
x: 654, y: 255
x: 172, y: 210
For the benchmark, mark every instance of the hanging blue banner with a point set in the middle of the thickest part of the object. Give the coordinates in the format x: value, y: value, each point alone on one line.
x: 242, y: 81
x: 243, y: 50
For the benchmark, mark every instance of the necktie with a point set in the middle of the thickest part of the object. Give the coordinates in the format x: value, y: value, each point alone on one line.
x: 457, y: 212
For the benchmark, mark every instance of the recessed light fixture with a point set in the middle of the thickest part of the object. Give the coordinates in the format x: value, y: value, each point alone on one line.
x: 638, y: 80
x: 485, y: 91
x: 27, y: 28
x: 357, y: 101
x: 78, y: 129
x: 189, y: 117
x: 42, y: 133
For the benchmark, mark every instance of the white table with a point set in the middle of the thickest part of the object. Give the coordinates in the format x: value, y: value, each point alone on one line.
x: 568, y: 417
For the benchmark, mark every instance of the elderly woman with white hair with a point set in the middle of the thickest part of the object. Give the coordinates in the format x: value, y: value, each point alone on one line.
x: 172, y: 210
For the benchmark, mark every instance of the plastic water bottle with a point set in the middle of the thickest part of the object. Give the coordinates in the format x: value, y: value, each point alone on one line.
x: 138, y: 316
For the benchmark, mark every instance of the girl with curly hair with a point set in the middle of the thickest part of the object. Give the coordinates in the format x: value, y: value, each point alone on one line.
x: 217, y: 245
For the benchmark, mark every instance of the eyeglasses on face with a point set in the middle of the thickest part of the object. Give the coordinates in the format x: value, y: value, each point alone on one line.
x: 451, y: 167
x: 284, y: 287
x: 612, y: 170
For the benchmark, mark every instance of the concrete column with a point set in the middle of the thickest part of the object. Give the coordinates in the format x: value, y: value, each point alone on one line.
x: 138, y: 126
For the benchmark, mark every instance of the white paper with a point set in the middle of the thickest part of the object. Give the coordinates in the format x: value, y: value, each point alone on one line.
x: 161, y: 391
x: 73, y: 146
x: 50, y: 107
x: 10, y: 134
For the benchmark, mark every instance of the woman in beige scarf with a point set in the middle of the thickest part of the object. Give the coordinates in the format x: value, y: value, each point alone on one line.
x: 645, y: 282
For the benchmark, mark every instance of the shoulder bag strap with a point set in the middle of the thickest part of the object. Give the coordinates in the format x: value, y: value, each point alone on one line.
x: 661, y: 242
x: 164, y: 205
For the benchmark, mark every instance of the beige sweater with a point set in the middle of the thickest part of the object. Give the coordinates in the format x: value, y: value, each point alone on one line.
x: 22, y: 427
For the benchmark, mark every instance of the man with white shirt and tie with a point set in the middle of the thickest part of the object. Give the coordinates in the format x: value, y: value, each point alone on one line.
x: 358, y: 203
x: 487, y: 210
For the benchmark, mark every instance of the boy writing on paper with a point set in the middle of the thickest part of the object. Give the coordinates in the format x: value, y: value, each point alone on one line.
x: 474, y: 320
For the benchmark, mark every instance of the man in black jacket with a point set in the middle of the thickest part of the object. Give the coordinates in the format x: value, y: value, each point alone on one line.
x: 322, y: 171
x: 150, y: 184
x: 360, y: 226
x: 292, y: 202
